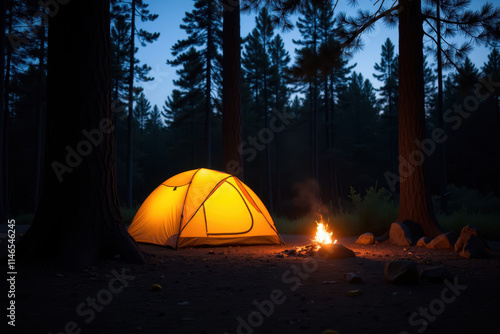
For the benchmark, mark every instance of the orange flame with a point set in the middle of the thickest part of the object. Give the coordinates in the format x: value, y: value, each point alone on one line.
x: 323, y: 237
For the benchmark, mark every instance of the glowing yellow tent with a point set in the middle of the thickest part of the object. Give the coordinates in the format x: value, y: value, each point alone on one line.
x: 203, y: 207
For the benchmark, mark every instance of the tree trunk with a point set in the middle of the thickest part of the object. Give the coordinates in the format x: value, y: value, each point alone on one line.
x: 415, y: 202
x: 231, y: 89
x: 266, y: 126
x: 311, y: 125
x: 131, y: 108
x: 78, y: 219
x: 331, y: 165
x: 392, y: 130
x: 443, y: 177
x: 208, y: 97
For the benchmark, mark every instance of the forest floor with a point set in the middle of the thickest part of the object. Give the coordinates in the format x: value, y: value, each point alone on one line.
x: 254, y: 289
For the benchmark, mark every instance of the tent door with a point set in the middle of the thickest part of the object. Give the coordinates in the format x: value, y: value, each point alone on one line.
x: 227, y: 213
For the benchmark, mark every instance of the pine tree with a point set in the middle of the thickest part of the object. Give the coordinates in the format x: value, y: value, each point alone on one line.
x: 231, y: 89
x: 142, y: 111
x: 257, y: 75
x: 358, y: 133
x: 308, y: 26
x: 492, y: 67
x: 204, y: 28
x: 479, y: 26
x: 252, y: 63
x: 429, y: 88
x: 320, y: 64
x: 388, y: 69
x: 25, y: 28
x: 124, y: 10
x: 183, y: 110
x: 154, y: 122
x: 97, y: 231
x: 120, y: 44
x: 266, y: 31
x: 279, y: 94
x: 280, y: 58
x: 359, y: 101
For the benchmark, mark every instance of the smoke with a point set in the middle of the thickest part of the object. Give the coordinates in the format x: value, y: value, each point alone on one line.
x: 307, y: 198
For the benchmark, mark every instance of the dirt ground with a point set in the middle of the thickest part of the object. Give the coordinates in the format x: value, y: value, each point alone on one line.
x: 253, y: 290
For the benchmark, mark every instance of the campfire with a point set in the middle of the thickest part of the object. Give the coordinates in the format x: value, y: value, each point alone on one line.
x: 323, y: 237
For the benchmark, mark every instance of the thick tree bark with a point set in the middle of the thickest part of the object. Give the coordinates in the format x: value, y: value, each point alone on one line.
x: 78, y: 219
x: 231, y: 89
x: 415, y: 202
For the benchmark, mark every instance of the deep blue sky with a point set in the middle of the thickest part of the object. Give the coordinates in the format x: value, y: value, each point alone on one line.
x: 171, y: 13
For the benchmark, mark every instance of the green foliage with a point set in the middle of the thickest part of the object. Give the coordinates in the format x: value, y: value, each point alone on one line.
x: 388, y: 75
x: 488, y: 224
x: 141, y: 111
x: 471, y: 200
x: 304, y: 225
x: 373, y: 212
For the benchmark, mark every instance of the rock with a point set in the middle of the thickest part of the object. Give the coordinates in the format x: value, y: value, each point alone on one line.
x: 383, y: 237
x: 366, y: 239
x: 400, y: 235
x: 334, y: 251
x: 415, y: 229
x: 352, y: 278
x: 436, y: 275
x: 443, y: 241
x: 401, y: 272
x: 464, y: 236
x: 475, y: 248
x: 280, y: 256
x: 422, y: 242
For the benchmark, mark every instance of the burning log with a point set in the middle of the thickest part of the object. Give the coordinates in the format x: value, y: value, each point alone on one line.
x: 323, y: 246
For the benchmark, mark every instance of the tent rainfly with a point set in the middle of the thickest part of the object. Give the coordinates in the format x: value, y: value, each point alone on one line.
x: 203, y: 207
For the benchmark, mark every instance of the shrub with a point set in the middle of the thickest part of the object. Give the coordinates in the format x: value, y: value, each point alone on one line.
x: 373, y: 212
x: 473, y: 199
x: 487, y: 223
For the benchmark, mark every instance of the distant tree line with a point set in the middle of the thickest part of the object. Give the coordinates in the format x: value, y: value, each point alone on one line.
x: 330, y: 123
